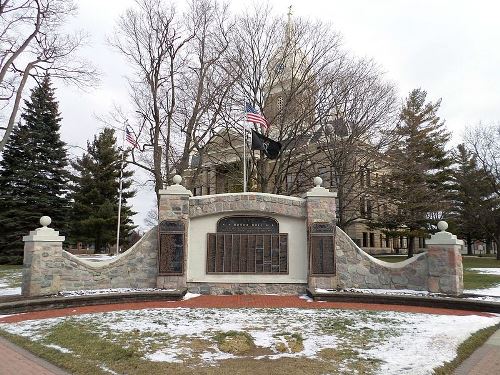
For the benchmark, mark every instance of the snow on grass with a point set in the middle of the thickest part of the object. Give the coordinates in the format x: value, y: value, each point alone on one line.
x: 10, y: 280
x: 492, y: 292
x: 60, y: 348
x: 405, y: 343
x: 486, y: 271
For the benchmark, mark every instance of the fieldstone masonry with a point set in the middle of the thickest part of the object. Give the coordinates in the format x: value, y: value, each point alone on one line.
x: 48, y: 269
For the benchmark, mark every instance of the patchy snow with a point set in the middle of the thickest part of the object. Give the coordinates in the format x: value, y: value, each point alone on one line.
x: 492, y: 292
x: 402, y: 341
x: 486, y: 271
x: 91, y: 292
x: 60, y: 348
x: 97, y: 257
x: 190, y: 295
x: 396, y: 292
x: 10, y: 291
x: 8, y: 280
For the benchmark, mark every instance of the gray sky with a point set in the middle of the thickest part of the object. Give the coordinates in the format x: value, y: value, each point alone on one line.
x: 448, y: 48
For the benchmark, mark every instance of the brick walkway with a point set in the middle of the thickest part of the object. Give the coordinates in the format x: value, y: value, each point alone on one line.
x: 17, y: 361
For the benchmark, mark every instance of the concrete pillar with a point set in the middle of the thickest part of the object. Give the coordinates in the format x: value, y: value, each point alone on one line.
x: 320, y: 206
x: 42, y: 260
x: 174, y: 207
x: 445, y: 262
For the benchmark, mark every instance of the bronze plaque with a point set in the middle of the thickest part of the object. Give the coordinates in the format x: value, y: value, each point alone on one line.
x: 322, y: 247
x: 247, y: 253
x: 171, y: 254
x: 323, y: 228
x: 248, y: 224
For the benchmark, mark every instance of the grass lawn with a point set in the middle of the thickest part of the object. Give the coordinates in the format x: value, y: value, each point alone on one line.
x: 10, y: 275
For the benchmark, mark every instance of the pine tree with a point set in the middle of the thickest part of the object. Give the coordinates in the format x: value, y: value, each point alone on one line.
x: 33, y: 178
x: 95, y: 192
x: 418, y: 170
x: 471, y: 198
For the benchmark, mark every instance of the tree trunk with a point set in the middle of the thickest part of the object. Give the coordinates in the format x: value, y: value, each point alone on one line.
x: 469, y: 244
x: 411, y: 246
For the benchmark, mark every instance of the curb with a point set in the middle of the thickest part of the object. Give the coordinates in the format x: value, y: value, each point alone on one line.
x: 439, y: 302
x: 21, y: 305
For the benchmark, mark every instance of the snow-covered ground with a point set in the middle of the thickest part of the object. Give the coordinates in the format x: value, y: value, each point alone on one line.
x: 405, y: 343
x: 487, y: 271
x: 8, y: 280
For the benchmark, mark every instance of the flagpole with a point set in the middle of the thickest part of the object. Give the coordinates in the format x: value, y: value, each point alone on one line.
x: 245, y: 157
x: 120, y: 193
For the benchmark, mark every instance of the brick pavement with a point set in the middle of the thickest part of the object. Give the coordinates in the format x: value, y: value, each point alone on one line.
x: 17, y: 361
x: 485, y: 361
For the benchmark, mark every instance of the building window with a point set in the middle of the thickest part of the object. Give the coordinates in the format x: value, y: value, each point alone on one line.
x: 372, y: 239
x: 387, y: 244
x: 280, y: 103
x: 369, y: 209
x: 290, y: 182
x: 362, y: 207
x: 365, y: 239
x: 368, y: 177
x: 381, y: 241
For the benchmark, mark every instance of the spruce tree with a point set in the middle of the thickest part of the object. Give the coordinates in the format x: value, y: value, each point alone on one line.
x: 33, y: 178
x: 470, y: 197
x: 95, y: 194
x: 418, y: 171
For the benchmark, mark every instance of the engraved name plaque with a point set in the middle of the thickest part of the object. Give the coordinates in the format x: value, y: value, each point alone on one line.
x: 247, y: 244
x: 171, y: 254
x: 322, y: 247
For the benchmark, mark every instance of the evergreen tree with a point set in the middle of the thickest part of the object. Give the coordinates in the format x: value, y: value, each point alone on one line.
x: 418, y: 171
x: 32, y: 173
x: 471, y: 197
x: 95, y: 193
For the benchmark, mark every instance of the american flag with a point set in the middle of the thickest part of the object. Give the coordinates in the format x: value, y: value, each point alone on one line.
x: 253, y: 116
x: 130, y: 137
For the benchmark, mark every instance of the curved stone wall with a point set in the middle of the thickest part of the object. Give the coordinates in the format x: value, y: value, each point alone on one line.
x: 50, y: 269
x: 247, y: 202
x: 357, y: 269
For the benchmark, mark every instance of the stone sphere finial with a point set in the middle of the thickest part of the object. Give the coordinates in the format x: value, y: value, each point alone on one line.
x: 442, y: 226
x: 177, y: 179
x: 318, y: 181
x: 45, y: 221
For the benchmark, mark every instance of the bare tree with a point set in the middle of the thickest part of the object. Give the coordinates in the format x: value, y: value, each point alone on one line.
x: 32, y: 43
x: 356, y: 135
x: 484, y: 142
x: 180, y: 80
x: 279, y: 66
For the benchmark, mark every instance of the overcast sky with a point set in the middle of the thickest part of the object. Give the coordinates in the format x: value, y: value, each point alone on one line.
x: 448, y: 48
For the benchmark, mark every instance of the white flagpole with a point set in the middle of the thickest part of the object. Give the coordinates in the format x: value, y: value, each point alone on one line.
x: 120, y: 194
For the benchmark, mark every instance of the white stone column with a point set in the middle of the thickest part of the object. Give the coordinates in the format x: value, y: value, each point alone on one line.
x: 42, y: 260
x: 444, y: 260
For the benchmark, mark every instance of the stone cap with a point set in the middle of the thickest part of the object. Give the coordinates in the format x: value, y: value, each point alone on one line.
x: 44, y: 234
x: 176, y: 188
x: 443, y: 237
x: 319, y: 191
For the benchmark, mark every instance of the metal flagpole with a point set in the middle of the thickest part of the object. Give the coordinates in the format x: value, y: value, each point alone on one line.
x: 245, y: 157
x: 120, y: 194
